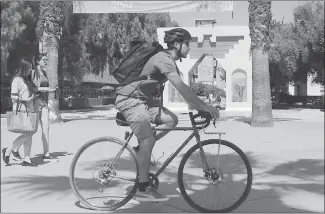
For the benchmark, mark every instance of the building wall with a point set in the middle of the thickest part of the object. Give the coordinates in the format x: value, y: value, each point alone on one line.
x: 231, y: 50
x: 309, y: 89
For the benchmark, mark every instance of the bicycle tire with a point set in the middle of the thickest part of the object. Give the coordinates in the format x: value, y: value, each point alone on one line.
x: 73, y: 165
x: 247, y: 188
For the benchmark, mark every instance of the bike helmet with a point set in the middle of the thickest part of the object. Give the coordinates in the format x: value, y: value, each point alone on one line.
x: 176, y: 35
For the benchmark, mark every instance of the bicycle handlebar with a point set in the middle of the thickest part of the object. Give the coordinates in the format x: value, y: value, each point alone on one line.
x: 203, y: 114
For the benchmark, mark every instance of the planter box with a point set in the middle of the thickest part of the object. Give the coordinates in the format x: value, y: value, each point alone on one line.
x: 108, y: 100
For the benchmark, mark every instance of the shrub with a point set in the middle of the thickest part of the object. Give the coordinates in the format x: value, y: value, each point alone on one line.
x: 202, y: 89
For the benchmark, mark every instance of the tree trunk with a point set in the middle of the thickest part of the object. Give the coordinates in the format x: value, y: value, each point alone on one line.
x: 278, y: 83
x: 262, y: 106
x: 52, y: 72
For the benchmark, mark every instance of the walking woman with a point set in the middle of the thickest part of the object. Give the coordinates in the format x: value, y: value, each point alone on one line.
x: 40, y: 80
x: 22, y: 91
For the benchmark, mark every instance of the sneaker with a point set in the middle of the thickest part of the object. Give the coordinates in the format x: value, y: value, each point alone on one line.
x: 152, y: 162
x: 4, y: 157
x: 150, y: 195
x: 26, y: 163
x: 50, y: 158
x: 16, y: 155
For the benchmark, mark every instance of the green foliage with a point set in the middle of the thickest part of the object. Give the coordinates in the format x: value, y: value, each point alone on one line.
x: 104, y: 34
x: 73, y: 56
x: 87, y: 42
x: 283, y: 54
x: 202, y: 89
x: 50, y: 20
x: 11, y: 26
x: 298, y: 48
x: 260, y: 24
x: 309, y: 17
x: 18, y: 21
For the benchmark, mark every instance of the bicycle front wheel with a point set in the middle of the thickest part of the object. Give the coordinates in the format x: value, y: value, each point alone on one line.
x: 104, y: 176
x: 213, y: 188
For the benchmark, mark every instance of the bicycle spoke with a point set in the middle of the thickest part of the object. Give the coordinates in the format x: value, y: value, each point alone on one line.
x: 96, y: 182
x: 215, y: 190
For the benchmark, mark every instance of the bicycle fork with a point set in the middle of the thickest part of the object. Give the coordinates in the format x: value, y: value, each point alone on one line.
x: 202, y: 153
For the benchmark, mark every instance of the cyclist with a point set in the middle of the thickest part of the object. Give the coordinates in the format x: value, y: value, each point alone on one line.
x: 139, y: 104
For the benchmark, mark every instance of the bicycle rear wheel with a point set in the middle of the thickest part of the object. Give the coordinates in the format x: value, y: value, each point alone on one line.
x: 102, y: 185
x: 192, y: 186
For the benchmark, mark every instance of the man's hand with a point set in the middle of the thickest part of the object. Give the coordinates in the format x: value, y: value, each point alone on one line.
x: 214, y: 112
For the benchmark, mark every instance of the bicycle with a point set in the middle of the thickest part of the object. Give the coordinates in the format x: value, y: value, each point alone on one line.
x: 106, y: 174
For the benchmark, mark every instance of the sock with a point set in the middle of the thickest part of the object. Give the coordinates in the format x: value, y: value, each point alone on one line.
x: 143, y: 186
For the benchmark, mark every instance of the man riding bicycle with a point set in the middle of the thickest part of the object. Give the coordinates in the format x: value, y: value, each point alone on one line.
x: 139, y: 103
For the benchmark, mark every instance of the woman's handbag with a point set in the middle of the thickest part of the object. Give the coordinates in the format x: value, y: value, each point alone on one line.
x: 22, y: 121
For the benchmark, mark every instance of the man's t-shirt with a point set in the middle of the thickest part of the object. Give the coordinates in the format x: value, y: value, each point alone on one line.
x: 160, y: 63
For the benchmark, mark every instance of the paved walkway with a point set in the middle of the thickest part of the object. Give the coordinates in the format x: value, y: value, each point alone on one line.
x: 287, y: 161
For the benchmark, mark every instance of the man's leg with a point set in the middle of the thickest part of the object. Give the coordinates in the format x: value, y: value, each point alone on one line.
x: 164, y: 118
x: 136, y: 114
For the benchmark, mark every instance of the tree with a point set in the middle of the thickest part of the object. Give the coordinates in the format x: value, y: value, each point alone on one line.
x: 283, y: 55
x: 297, y: 49
x: 106, y: 34
x: 49, y: 28
x: 73, y: 55
x: 11, y: 26
x: 260, y: 18
x: 18, y: 39
x: 309, y: 30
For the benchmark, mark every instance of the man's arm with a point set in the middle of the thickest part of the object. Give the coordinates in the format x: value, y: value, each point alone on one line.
x: 165, y: 64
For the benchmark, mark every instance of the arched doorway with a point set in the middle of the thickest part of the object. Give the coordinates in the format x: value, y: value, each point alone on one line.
x: 239, y: 86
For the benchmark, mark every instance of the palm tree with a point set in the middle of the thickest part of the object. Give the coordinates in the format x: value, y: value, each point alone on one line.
x: 49, y: 30
x: 260, y: 20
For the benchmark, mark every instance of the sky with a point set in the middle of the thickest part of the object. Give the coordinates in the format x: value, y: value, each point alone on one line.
x: 280, y: 10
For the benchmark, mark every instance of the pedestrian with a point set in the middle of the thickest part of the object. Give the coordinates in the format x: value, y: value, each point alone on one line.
x: 40, y: 80
x: 22, y: 91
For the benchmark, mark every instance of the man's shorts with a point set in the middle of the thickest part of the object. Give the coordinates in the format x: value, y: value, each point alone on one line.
x: 140, y: 114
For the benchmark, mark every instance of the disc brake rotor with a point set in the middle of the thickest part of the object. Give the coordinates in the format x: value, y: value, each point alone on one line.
x: 213, y: 176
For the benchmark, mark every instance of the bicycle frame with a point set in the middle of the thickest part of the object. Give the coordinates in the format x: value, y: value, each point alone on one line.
x: 195, y: 134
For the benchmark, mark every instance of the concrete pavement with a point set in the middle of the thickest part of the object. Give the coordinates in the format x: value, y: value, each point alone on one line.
x: 287, y: 161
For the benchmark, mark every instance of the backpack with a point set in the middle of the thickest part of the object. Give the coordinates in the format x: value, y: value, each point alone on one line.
x: 132, y: 63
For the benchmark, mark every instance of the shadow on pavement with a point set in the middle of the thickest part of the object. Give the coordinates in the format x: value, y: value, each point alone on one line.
x: 88, y: 117
x: 38, y: 158
x: 241, y: 119
x: 248, y: 120
x: 265, y: 196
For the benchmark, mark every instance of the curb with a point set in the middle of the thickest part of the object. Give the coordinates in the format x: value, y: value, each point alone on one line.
x: 101, y: 107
